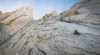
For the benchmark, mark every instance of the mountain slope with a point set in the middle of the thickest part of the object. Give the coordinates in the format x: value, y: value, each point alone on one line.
x: 73, y: 32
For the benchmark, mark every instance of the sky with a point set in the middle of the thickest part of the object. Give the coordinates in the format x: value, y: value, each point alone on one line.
x: 40, y: 7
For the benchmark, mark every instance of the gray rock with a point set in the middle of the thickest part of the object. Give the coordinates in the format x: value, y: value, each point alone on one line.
x: 78, y: 35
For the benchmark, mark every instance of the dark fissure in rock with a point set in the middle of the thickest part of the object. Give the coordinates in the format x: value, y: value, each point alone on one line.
x: 76, y: 32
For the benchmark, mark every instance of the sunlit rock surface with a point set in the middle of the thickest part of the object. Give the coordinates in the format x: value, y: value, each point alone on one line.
x: 17, y: 19
x: 76, y: 33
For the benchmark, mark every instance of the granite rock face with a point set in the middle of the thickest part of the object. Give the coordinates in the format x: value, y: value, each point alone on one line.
x: 88, y: 10
x: 17, y: 19
x: 77, y: 33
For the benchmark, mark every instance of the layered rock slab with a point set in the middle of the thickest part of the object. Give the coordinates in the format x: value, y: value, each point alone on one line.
x: 11, y: 23
x: 17, y: 19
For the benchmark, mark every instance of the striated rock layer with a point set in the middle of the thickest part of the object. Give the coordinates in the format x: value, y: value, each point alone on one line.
x: 17, y: 19
x: 73, y: 32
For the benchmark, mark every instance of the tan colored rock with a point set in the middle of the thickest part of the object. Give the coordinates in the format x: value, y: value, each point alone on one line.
x: 5, y: 15
x: 54, y: 13
x: 48, y: 17
x: 71, y: 13
x: 18, y: 19
x: 17, y: 14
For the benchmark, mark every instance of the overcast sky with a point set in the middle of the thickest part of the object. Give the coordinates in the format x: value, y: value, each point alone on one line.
x: 40, y: 7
